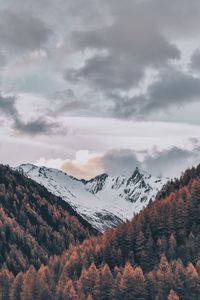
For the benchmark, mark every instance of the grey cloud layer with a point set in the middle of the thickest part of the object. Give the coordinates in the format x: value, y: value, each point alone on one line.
x: 22, y: 31
x: 139, y: 36
x: 100, y: 50
x: 195, y: 60
x: 33, y: 127
x: 171, y: 162
x: 131, y: 45
x: 37, y: 126
x: 171, y: 88
x: 7, y: 105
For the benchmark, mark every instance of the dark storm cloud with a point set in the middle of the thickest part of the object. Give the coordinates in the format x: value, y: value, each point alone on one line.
x: 33, y: 127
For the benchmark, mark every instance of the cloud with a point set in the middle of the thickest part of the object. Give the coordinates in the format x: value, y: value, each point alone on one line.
x: 67, y: 102
x: 2, y: 59
x: 179, y: 20
x: 86, y: 170
x: 195, y: 60
x: 7, y: 105
x: 22, y: 31
x: 32, y: 127
x: 106, y: 59
x: 122, y: 161
x: 171, y: 162
x: 113, y: 162
x: 123, y: 49
x: 172, y: 88
x: 105, y: 51
x: 37, y: 126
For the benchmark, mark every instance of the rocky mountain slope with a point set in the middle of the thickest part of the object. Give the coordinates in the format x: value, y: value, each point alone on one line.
x: 104, y: 201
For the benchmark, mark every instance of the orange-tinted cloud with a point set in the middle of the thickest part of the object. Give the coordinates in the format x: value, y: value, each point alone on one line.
x: 88, y: 169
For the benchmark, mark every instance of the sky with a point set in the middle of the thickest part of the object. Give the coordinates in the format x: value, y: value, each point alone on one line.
x: 100, y: 86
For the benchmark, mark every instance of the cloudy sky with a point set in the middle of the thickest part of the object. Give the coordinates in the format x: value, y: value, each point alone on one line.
x: 100, y: 85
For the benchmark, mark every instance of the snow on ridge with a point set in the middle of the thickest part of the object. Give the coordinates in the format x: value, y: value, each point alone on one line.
x: 104, y: 201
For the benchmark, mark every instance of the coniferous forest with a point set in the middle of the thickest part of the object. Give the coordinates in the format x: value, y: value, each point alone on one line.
x: 49, y: 252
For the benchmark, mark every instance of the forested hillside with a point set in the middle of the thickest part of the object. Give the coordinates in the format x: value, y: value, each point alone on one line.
x: 34, y: 224
x: 156, y: 256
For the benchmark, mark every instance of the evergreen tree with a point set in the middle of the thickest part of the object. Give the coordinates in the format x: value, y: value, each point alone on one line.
x: 30, y: 287
x: 6, y: 279
x: 16, y: 289
x: 106, y: 283
x: 173, y: 296
x: 192, y: 283
x: 132, y: 285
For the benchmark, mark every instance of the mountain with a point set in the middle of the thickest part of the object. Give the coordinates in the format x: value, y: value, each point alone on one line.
x: 34, y: 224
x: 104, y: 201
x: 156, y: 255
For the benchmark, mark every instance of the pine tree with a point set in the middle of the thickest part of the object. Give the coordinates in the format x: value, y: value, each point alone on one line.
x: 88, y: 280
x: 173, y: 296
x: 45, y: 283
x: 150, y: 249
x: 30, y: 287
x: 132, y: 285
x: 69, y: 291
x: 89, y: 297
x: 179, y: 278
x: 117, y: 290
x: 192, y: 283
x: 160, y: 280
x: 106, y: 283
x: 6, y: 279
x: 140, y: 284
x: 141, y: 255
x: 197, y: 266
x: 172, y: 247
x: 16, y: 289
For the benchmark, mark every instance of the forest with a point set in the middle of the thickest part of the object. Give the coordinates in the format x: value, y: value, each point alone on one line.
x: 48, y: 253
x: 34, y: 224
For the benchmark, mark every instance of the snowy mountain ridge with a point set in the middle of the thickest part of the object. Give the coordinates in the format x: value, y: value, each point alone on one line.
x: 104, y: 201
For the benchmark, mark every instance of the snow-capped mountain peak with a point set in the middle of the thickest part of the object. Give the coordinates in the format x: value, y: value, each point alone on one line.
x: 104, y: 200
